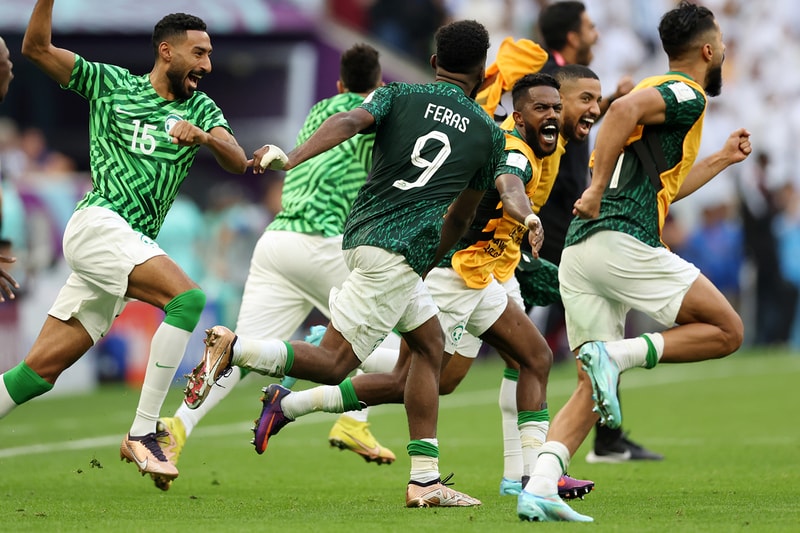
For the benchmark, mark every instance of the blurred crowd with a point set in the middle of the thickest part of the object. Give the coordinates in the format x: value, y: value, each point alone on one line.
x: 743, y: 230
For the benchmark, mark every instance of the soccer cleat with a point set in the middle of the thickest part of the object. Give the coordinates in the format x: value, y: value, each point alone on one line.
x: 509, y: 487
x: 350, y: 434
x: 215, y: 363
x: 620, y: 450
x: 570, y: 488
x: 535, y: 508
x: 437, y: 494
x: 603, y: 372
x: 272, y: 419
x: 149, y: 458
x: 171, y: 436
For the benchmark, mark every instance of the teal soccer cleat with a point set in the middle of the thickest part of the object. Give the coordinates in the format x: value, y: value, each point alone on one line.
x: 509, y: 487
x: 604, y: 375
x: 535, y: 508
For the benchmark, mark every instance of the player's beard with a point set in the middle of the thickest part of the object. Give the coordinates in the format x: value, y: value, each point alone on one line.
x: 584, y: 55
x: 177, y: 84
x: 714, y: 81
x: 532, y: 140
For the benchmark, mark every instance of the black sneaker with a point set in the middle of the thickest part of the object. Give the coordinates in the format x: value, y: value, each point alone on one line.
x: 621, y: 450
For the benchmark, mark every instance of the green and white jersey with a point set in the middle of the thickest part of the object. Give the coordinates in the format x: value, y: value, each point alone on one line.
x: 431, y: 142
x: 136, y: 170
x: 318, y: 193
x: 630, y: 203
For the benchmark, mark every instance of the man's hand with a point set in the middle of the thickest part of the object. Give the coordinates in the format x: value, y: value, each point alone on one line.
x: 185, y: 133
x: 535, y: 234
x: 269, y: 157
x: 624, y: 86
x: 737, y: 147
x: 588, y: 205
x: 7, y: 282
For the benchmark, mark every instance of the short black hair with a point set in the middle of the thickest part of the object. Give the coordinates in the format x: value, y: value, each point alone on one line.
x: 557, y: 20
x: 461, y: 46
x: 359, y: 68
x: 681, y: 27
x: 574, y: 72
x: 527, y: 81
x: 173, y: 25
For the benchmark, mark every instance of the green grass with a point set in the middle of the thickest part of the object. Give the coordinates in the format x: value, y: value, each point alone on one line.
x: 728, y: 429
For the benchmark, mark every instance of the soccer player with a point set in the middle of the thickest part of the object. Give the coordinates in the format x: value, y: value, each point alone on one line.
x: 615, y: 260
x: 569, y: 35
x: 580, y: 99
x: 282, y: 288
x: 144, y: 134
x: 7, y: 281
x: 435, y: 155
x: 468, y: 296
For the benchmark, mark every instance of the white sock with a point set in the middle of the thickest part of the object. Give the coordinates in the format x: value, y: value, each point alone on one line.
x: 380, y: 360
x: 266, y: 357
x: 326, y: 398
x: 223, y: 387
x: 6, y: 403
x: 630, y: 353
x: 532, y: 436
x: 166, y: 352
x: 512, y: 447
x: 552, y: 463
x: 359, y: 416
x: 425, y: 469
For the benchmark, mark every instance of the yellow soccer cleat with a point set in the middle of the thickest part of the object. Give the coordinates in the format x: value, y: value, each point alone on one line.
x: 171, y: 437
x: 350, y: 434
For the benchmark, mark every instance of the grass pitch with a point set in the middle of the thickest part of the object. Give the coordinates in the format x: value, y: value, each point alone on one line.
x: 728, y: 429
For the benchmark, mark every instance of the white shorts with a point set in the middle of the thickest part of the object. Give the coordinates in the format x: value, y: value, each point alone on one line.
x: 101, y: 249
x: 609, y: 273
x: 465, y: 313
x: 290, y: 274
x: 381, y: 292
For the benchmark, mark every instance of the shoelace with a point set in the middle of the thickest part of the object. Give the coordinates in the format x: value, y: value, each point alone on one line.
x: 446, y: 479
x: 151, y: 444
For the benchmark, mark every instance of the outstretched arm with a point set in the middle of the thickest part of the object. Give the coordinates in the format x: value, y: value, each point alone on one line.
x: 517, y: 204
x: 735, y: 150
x: 335, y: 130
x: 37, y: 46
x: 222, y: 144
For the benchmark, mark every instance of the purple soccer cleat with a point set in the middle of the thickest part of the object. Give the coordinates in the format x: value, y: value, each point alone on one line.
x: 272, y: 418
x: 570, y: 488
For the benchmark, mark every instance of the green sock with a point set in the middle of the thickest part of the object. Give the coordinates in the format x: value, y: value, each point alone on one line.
x: 289, y: 358
x: 349, y: 398
x: 24, y: 384
x: 533, y: 416
x: 511, y: 374
x: 420, y: 447
x: 652, y: 354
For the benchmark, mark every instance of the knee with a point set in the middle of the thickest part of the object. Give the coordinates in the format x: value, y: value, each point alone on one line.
x: 185, y: 309
x: 732, y: 335
x: 539, y: 361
